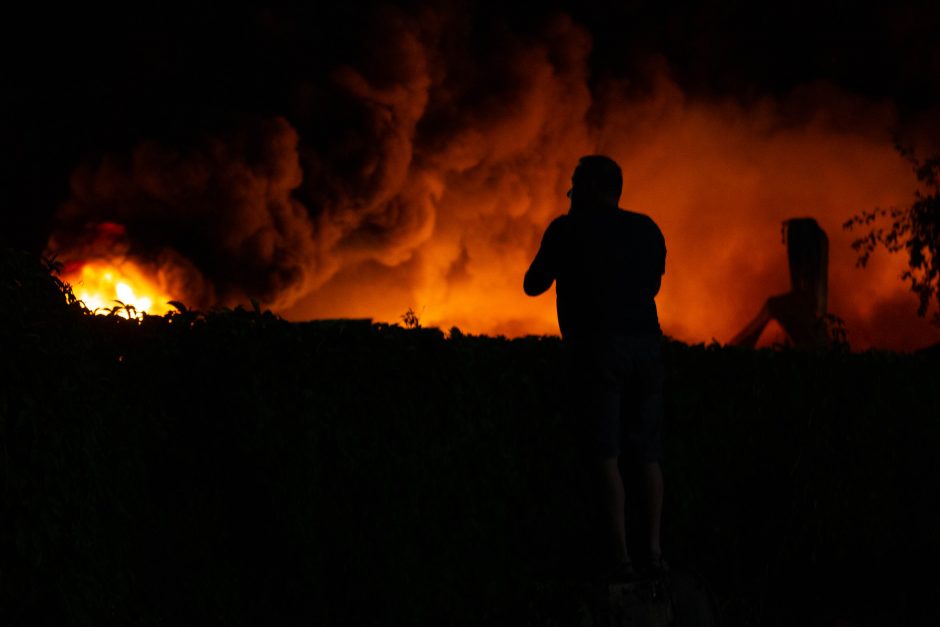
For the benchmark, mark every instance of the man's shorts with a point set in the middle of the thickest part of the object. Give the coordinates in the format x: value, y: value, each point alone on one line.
x: 616, y: 396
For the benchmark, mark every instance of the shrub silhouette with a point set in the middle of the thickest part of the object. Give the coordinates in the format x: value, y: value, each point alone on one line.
x: 229, y: 467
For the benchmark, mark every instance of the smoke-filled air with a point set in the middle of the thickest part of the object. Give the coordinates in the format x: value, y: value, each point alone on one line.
x: 422, y: 172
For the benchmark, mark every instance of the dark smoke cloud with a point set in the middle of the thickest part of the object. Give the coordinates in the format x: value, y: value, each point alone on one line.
x: 225, y: 206
x: 413, y: 159
x: 260, y: 214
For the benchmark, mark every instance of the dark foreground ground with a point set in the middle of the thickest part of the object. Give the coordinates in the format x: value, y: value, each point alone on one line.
x: 234, y: 469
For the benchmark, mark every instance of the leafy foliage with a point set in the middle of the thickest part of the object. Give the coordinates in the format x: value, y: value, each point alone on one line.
x: 915, y: 229
x: 411, y: 320
x: 231, y: 468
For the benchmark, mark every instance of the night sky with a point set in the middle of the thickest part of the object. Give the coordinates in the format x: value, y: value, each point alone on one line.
x: 150, y: 118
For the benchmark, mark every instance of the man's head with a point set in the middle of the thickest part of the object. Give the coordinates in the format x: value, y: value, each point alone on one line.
x: 597, y: 181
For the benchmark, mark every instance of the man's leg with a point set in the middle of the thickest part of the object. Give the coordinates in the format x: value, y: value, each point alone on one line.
x: 614, y: 496
x: 653, y: 486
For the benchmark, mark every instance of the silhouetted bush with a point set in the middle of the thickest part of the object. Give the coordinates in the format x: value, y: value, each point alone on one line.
x: 230, y: 468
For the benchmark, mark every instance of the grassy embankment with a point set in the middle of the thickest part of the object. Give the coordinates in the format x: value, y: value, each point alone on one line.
x: 234, y: 469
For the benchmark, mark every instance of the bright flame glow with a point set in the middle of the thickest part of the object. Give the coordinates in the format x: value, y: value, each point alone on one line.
x: 100, y: 284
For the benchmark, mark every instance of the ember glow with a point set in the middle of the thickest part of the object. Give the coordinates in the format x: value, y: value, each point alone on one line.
x: 103, y: 284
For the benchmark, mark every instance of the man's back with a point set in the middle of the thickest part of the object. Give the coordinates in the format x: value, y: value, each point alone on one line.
x: 608, y: 265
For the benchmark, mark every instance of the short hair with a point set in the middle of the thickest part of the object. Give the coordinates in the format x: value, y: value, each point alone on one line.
x: 600, y: 172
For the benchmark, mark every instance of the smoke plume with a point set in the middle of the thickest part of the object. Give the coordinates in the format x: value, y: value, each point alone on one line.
x: 421, y: 173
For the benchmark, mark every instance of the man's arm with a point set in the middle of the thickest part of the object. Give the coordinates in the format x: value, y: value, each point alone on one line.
x: 660, y: 246
x: 543, y: 271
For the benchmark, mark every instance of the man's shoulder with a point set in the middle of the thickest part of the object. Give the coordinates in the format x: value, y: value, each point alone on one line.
x: 634, y: 216
x: 558, y: 225
x: 560, y: 221
x: 639, y: 220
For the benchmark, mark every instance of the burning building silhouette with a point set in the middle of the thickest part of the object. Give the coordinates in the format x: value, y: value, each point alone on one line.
x: 800, y: 311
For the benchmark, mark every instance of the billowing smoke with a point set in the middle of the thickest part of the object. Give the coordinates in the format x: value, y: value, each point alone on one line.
x: 222, y: 209
x: 421, y: 173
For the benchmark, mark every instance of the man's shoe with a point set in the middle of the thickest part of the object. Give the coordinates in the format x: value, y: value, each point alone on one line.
x: 657, y: 565
x: 623, y: 572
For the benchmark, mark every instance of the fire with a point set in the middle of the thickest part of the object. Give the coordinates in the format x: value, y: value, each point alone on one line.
x: 104, y: 284
x: 434, y: 198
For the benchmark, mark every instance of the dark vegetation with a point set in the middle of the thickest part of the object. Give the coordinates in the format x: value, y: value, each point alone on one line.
x: 231, y: 468
x: 914, y: 230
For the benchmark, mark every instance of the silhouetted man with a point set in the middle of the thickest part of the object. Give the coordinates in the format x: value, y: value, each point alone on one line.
x: 607, y: 264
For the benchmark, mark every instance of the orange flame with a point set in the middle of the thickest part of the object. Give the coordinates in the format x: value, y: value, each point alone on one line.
x: 104, y: 284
